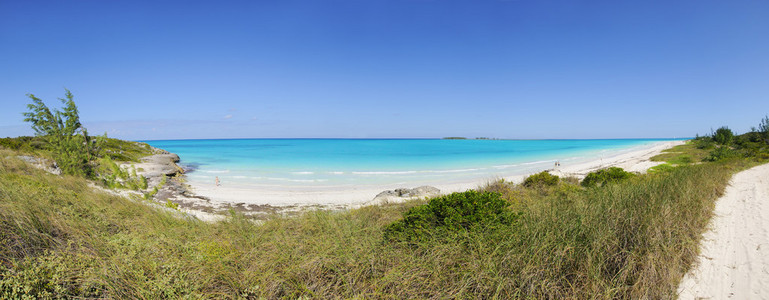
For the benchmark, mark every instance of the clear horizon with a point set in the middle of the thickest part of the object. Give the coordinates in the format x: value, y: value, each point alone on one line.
x: 142, y: 70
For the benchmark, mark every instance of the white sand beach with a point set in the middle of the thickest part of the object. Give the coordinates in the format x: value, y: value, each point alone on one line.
x: 637, y: 161
x: 734, y: 252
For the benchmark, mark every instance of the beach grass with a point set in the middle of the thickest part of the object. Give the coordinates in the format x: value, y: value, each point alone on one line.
x: 682, y: 154
x: 631, y: 239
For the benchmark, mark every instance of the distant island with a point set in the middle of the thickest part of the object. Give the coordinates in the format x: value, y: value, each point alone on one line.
x: 464, y: 138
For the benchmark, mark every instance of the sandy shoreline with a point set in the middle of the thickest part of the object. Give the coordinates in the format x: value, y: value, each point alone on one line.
x: 734, y: 252
x: 637, y: 161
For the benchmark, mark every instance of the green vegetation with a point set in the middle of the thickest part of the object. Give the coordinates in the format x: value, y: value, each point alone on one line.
x: 26, y: 145
x: 723, y: 136
x: 721, y: 153
x: 629, y: 239
x: 541, y: 179
x: 763, y: 129
x: 122, y: 178
x: 72, y: 148
x: 606, y: 176
x: 125, y: 151
x: 443, y: 218
x: 61, y: 136
x: 682, y: 155
x: 632, y: 239
x: 156, y: 188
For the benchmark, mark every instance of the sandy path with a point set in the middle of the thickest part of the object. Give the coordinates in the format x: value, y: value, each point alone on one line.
x: 734, y: 259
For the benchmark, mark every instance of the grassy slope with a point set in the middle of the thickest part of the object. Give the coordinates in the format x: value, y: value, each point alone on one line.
x: 118, y: 150
x: 630, y: 240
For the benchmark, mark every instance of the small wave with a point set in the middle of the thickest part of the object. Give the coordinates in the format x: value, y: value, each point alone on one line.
x: 303, y: 173
x: 295, y: 180
x: 537, y: 162
x: 386, y: 173
x: 505, y: 166
x: 336, y: 173
x: 455, y: 171
x: 216, y: 171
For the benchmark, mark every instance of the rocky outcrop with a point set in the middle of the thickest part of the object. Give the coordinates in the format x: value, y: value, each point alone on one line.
x: 156, y: 166
x: 47, y: 165
x: 403, y: 194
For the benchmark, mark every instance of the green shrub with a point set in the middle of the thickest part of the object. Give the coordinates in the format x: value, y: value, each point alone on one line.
x: 172, y: 205
x: 604, y: 176
x: 723, y: 136
x: 721, y: 153
x: 541, y: 179
x: 113, y: 176
x: 661, y: 168
x: 704, y: 143
x: 445, y: 216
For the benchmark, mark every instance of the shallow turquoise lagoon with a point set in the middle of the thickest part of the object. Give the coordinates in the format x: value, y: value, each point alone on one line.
x: 286, y: 163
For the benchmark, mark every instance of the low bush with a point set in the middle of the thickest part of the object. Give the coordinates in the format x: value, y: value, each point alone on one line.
x: 721, y: 153
x: 704, y: 143
x: 541, y: 179
x: 25, y: 144
x: 113, y: 176
x: 445, y: 216
x: 605, y: 176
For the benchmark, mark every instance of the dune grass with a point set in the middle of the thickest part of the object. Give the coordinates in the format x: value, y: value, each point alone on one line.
x: 633, y: 239
x: 684, y: 154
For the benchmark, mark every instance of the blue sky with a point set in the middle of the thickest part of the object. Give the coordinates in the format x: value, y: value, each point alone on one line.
x: 374, y: 69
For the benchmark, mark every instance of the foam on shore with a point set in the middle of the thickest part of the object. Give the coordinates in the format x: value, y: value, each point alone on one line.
x: 635, y: 159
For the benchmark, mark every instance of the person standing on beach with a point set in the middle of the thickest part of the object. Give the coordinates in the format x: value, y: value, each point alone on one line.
x: 217, y: 180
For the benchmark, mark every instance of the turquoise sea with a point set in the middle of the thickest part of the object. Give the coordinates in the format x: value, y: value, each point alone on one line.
x: 333, y: 163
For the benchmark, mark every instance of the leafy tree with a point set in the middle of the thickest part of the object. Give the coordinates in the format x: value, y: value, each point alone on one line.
x: 72, y: 148
x: 723, y: 136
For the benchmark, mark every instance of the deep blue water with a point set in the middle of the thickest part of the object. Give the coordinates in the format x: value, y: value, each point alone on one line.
x: 351, y: 162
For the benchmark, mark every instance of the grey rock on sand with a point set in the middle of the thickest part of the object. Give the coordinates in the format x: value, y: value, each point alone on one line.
x: 49, y: 166
x: 403, y: 194
x: 154, y: 167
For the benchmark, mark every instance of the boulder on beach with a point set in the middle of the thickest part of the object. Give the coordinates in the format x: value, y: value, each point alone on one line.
x: 403, y: 194
x: 156, y: 167
x: 160, y: 164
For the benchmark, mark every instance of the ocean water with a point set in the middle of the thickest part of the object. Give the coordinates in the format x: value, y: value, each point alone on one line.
x: 338, y: 163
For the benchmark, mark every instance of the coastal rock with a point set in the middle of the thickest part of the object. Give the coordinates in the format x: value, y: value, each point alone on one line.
x: 403, y: 194
x: 159, y: 164
x: 156, y: 167
x: 47, y: 165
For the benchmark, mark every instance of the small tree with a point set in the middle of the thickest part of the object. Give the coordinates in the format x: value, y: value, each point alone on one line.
x: 763, y: 129
x: 68, y: 141
x: 723, y: 136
